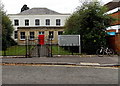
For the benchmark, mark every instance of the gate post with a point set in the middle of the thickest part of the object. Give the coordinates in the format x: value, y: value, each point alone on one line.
x: 50, y: 39
x: 51, y: 48
x: 72, y: 49
x: 29, y: 46
x: 26, y: 45
x: 38, y: 47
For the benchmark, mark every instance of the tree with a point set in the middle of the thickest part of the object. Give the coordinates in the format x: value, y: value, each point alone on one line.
x: 24, y: 8
x: 0, y: 27
x: 7, y: 30
x: 89, y: 21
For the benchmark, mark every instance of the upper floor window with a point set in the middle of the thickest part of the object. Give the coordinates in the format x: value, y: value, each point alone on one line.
x: 26, y: 22
x: 16, y: 22
x: 47, y: 21
x: 58, y: 22
x: 37, y: 22
x: 22, y: 35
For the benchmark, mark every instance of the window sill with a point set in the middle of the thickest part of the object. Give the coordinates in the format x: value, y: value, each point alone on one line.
x: 22, y: 39
x: 51, y: 38
x: 31, y: 39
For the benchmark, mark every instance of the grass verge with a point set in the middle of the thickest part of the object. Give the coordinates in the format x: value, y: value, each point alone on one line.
x: 61, y: 51
x: 17, y: 50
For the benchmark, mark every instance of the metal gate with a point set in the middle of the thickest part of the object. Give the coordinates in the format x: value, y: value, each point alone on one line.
x: 34, y: 49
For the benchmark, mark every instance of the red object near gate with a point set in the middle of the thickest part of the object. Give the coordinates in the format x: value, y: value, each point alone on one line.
x: 41, y: 39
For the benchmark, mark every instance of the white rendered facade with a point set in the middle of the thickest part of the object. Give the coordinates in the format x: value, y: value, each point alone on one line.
x: 42, y: 20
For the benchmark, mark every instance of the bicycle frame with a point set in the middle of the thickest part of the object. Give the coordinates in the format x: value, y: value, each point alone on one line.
x: 102, y: 51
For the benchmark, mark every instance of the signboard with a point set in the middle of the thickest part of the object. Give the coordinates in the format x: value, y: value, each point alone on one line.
x: 111, y: 33
x: 69, y: 40
x: 41, y: 39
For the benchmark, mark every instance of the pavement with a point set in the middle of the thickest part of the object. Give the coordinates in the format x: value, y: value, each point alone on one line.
x: 79, y: 60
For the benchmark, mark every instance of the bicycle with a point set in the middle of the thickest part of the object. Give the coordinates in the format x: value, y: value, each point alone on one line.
x: 102, y: 51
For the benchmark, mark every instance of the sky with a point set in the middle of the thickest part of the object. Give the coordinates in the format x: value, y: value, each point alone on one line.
x: 61, y: 6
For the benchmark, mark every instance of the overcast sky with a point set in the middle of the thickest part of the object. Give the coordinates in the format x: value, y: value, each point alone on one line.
x: 61, y: 6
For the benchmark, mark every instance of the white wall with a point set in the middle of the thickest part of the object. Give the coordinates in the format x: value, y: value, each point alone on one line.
x: 113, y: 10
x: 42, y: 18
x: 32, y: 18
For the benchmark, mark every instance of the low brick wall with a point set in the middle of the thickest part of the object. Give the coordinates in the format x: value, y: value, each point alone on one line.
x: 117, y: 43
x: 114, y: 42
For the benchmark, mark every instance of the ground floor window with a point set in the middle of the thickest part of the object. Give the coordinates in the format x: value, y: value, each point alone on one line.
x: 22, y: 35
x: 32, y: 35
x: 41, y: 33
x: 15, y: 34
x: 60, y: 32
x: 51, y: 34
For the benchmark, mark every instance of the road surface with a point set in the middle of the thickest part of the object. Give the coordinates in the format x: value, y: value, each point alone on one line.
x: 58, y: 75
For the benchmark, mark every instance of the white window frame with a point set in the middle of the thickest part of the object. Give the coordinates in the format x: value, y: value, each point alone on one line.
x: 32, y: 36
x: 41, y: 32
x: 37, y: 23
x: 22, y: 37
x: 16, y: 24
x: 47, y: 23
x: 58, y: 22
x: 27, y: 23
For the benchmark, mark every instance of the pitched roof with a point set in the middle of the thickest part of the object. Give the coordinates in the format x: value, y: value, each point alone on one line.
x: 39, y: 11
x: 112, y: 5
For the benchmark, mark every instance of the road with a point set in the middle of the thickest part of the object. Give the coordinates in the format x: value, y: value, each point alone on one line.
x: 58, y: 75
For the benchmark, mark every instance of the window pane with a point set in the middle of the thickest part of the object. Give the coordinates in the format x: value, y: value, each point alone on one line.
x: 31, y: 35
x: 58, y: 22
x: 22, y: 35
x: 16, y: 22
x: 41, y: 33
x: 15, y: 34
x: 47, y: 21
x: 37, y: 22
x: 60, y: 32
x: 26, y: 22
x: 51, y: 34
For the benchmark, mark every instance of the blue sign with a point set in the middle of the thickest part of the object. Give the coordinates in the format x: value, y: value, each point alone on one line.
x: 111, y: 33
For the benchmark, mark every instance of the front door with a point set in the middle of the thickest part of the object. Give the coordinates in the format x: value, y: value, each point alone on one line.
x: 41, y: 39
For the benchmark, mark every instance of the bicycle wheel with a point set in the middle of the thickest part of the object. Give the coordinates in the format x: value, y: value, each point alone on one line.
x: 99, y: 52
x: 110, y: 52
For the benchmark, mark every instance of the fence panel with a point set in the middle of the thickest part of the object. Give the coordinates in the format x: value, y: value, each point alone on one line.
x: 65, y: 50
x: 17, y: 50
